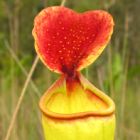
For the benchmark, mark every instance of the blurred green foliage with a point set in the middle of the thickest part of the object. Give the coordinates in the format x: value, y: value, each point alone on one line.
x: 116, y: 72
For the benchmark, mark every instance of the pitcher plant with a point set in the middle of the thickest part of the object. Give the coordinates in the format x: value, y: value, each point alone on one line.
x: 66, y: 42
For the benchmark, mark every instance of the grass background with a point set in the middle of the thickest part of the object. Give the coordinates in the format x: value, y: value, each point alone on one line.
x: 116, y: 71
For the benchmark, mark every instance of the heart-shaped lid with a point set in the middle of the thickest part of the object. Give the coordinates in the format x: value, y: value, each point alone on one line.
x: 67, y: 41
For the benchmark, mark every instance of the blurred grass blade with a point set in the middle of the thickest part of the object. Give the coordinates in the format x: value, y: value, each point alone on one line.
x: 21, y: 98
x: 21, y: 67
x: 110, y: 71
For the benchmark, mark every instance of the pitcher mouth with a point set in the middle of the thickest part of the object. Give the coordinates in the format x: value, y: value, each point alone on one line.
x: 105, y: 112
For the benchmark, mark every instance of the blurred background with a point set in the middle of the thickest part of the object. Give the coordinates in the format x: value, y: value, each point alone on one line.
x: 116, y: 71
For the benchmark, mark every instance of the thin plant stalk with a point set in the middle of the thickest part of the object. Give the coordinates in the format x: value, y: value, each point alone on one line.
x: 22, y: 68
x: 21, y: 98
x: 63, y: 2
x: 125, y: 58
x: 110, y: 71
x: 124, y: 87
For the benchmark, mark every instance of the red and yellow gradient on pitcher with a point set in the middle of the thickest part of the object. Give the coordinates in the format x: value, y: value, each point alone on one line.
x: 66, y: 41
